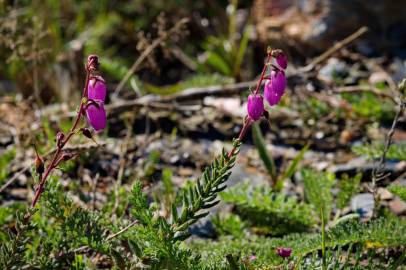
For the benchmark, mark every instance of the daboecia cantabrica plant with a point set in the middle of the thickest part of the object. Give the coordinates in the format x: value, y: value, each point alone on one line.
x: 280, y: 231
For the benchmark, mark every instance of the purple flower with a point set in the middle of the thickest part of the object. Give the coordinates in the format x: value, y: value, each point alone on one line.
x: 97, y: 89
x: 95, y: 112
x: 275, y: 87
x: 283, y: 252
x: 255, y: 106
x: 282, y: 60
x: 96, y: 115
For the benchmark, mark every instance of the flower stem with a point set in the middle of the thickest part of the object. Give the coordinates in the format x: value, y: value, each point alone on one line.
x: 323, y: 240
x: 263, y: 72
x: 247, y: 120
x: 247, y: 124
x: 59, y: 147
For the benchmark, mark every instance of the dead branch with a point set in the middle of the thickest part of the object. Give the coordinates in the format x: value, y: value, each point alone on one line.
x: 336, y: 47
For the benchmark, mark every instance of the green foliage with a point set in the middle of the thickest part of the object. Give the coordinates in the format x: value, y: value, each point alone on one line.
x: 200, y: 80
x: 398, y: 190
x: 229, y: 225
x: 351, y: 236
x: 292, y: 167
x: 196, y: 199
x: 266, y: 157
x: 225, y: 53
x: 12, y: 251
x: 277, y: 180
x: 151, y: 164
x: 314, y: 108
x: 348, y: 187
x: 350, y: 258
x: 375, y: 150
x: 318, y: 187
x: 5, y: 158
x: 370, y: 106
x: 268, y: 211
x: 154, y: 241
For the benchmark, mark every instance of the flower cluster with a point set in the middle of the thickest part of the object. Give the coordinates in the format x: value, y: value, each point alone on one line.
x: 274, y: 86
x: 96, y: 96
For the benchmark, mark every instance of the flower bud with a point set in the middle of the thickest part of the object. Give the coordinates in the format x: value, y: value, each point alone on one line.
x: 92, y: 62
x: 97, y: 88
x: 86, y: 132
x: 281, y: 58
x: 39, y: 163
x: 284, y: 252
x: 59, y: 139
x: 275, y: 87
x: 255, y: 106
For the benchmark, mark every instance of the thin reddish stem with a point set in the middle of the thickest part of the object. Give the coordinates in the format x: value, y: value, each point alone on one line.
x: 56, y: 158
x: 244, y: 129
x: 263, y: 73
x: 248, y: 121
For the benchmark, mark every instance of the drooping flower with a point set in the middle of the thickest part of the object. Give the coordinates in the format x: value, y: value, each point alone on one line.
x: 284, y: 252
x: 275, y: 87
x: 95, y: 112
x: 282, y: 60
x: 97, y: 88
x: 255, y: 106
x: 96, y: 115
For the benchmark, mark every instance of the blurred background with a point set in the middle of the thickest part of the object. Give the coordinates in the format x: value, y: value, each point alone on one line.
x: 43, y: 44
x: 178, y: 73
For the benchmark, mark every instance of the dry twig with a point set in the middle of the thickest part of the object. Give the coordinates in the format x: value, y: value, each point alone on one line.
x: 147, y: 51
x: 336, y: 47
x: 379, y: 169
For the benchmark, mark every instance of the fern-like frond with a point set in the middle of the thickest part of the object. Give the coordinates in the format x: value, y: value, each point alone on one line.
x: 318, y: 187
x: 268, y: 211
x: 202, y: 195
x: 374, y: 235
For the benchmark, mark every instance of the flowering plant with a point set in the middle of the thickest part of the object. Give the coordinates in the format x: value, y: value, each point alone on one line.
x: 92, y: 104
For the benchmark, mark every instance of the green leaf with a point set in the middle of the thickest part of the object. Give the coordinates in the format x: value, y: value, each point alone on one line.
x: 217, y: 62
x: 288, y: 173
x: 265, y: 156
x: 348, y: 187
x: 242, y: 48
x: 317, y: 187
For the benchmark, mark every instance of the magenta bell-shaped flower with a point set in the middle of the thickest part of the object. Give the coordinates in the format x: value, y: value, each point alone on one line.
x: 96, y: 93
x: 97, y: 88
x: 275, y: 87
x: 96, y: 115
x: 255, y: 106
x: 282, y: 60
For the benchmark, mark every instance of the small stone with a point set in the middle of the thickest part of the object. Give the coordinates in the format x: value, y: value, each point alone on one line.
x: 384, y: 194
x: 377, y: 77
x: 363, y: 204
x: 397, y: 206
x: 332, y: 69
